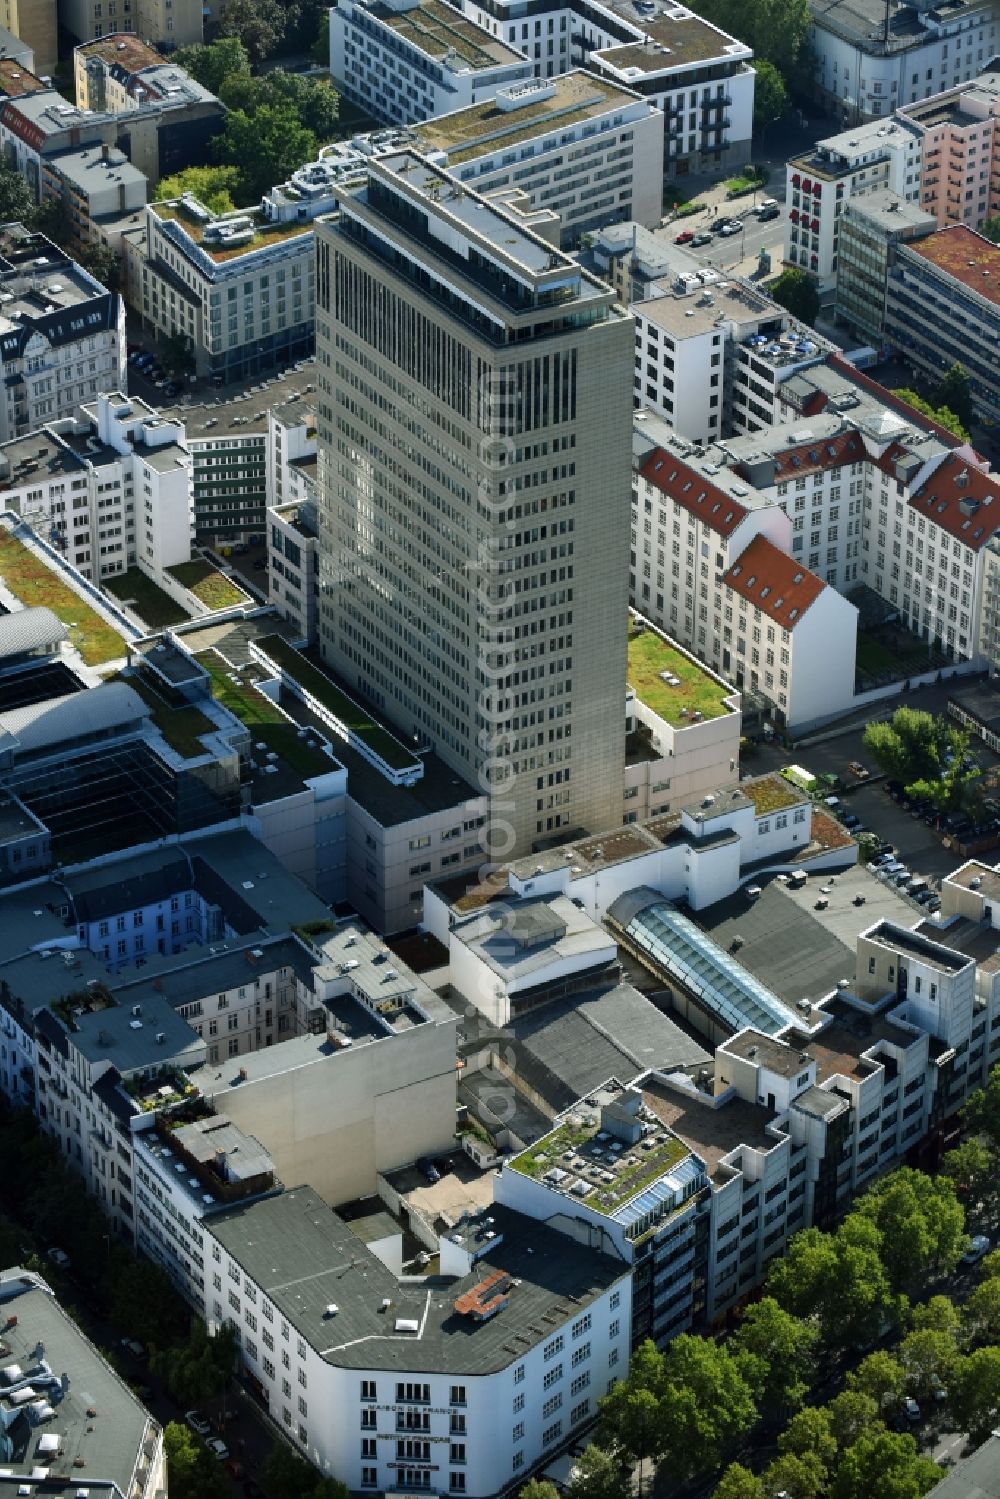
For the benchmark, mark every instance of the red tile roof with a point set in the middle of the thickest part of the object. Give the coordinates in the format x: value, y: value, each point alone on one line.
x: 691, y: 490
x: 774, y: 583
x: 810, y: 457
x: 962, y: 500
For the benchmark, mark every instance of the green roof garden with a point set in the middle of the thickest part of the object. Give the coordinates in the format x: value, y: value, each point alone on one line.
x: 670, y: 684
x: 573, y: 1145
x: 772, y: 793
x: 35, y: 583
x: 182, y: 727
x: 264, y: 719
x: 326, y: 692
x: 210, y: 587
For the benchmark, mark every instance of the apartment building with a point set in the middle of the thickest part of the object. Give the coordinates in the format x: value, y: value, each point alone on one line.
x: 165, y: 24
x: 870, y: 230
x: 958, y: 127
x: 866, y: 159
x: 720, y: 565
x: 169, y: 119
x: 563, y: 440
x: 229, y: 485
x: 943, y: 308
x: 869, y: 63
x: 54, y: 1378
x: 407, y: 60
x: 110, y: 488
x: 62, y: 334
x: 100, y: 192
x: 242, y: 290
x: 34, y: 24
x: 293, y: 564
x: 418, y: 1407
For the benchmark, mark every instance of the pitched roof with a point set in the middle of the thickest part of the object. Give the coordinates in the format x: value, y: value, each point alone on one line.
x: 962, y: 500
x: 811, y: 457
x: 29, y: 630
x: 774, y: 583
x: 691, y: 490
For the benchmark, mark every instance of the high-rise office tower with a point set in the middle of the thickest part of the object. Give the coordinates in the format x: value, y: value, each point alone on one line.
x: 474, y: 425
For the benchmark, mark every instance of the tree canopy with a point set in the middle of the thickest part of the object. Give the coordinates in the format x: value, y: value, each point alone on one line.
x: 921, y: 1224
x: 770, y: 96
x: 939, y: 414
x: 777, y: 30
x: 213, y: 186
x: 267, y: 147
x: 794, y: 291
x: 211, y: 63
x: 259, y: 25
x: 924, y: 752
x: 955, y: 393
x: 784, y: 1345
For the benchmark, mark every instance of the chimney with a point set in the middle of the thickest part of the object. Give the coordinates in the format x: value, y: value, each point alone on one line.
x: 105, y: 152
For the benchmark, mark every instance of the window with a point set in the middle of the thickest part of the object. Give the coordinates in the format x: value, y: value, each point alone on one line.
x: 519, y: 1374
x: 551, y: 1406
x: 552, y: 1377
x: 581, y: 1354
x: 458, y: 1394
x: 518, y: 1404
x: 581, y: 1325
x: 551, y: 1434
x: 552, y: 1347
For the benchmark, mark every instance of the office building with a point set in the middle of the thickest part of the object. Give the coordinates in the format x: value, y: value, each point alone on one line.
x: 463, y: 1391
x: 958, y: 133
x: 943, y: 308
x: 870, y: 61
x: 517, y: 684
x: 165, y: 24
x: 62, y: 334
x: 870, y: 230
x: 241, y: 289
x: 866, y: 159
x: 63, y: 1407
x: 407, y: 60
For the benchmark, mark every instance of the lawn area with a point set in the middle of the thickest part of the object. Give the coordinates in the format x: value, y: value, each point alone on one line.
x: 209, y: 586
x: 325, y: 690
x: 893, y: 654
x: 35, y: 584
x: 649, y: 655
x: 181, y: 727
x: 146, y: 599
x: 264, y: 720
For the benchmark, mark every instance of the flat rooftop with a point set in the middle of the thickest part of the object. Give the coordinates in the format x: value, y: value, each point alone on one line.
x: 569, y: 1156
x: 671, y: 684
x: 91, y: 170
x: 975, y: 875
x: 124, y: 50
x: 864, y: 21
x: 675, y: 40
x: 935, y: 954
x: 96, y: 1423
x: 965, y: 256
x: 444, y: 33
x: 530, y: 936
x: 838, y: 1047
x: 307, y: 1259
x: 265, y: 236
x: 485, y: 128
x: 15, y: 80
x: 710, y: 1130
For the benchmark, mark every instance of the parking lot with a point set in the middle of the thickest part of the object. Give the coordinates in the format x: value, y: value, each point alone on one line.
x: 920, y: 847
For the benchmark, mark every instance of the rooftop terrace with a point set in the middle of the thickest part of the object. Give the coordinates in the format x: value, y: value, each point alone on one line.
x: 670, y: 683
x: 572, y: 1154
x: 265, y: 236
x: 485, y: 127
x: 28, y: 577
x: 674, y: 41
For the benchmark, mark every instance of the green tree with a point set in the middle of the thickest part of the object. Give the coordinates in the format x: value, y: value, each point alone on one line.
x: 794, y: 291
x: 17, y: 201
x: 538, y: 1488
x: 321, y: 46
x: 288, y: 1476
x: 981, y: 1312
x: 880, y: 1377
x: 770, y: 97
x: 738, y: 1482
x: 778, y: 31
x: 799, y: 1476
x: 600, y: 1475
x: 990, y: 228
x: 851, y: 1414
x: 707, y: 1403
x: 629, y: 1414
x: 972, y: 1166
x: 267, y: 147
x: 884, y: 1465
x: 178, y: 353
x: 785, y: 1345
x: 192, y: 1471
x: 50, y: 219
x: 939, y: 414
x: 102, y: 263
x: 836, y: 1278
x: 213, y: 186
x: 212, y: 63
x: 982, y: 1111
x: 924, y: 752
x: 928, y: 1359
x: 921, y: 1225
x: 316, y: 105
x: 937, y: 1315
x: 259, y: 25
x: 974, y: 1392
x: 809, y: 1433
x: 955, y: 392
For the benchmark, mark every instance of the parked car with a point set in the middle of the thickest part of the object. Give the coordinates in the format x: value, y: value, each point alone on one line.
x: 911, y: 1409
x: 701, y: 239
x: 59, y: 1258
x: 859, y: 771
x: 717, y: 225
x: 217, y: 1448
x: 766, y: 215
x: 685, y: 237
x: 851, y: 820
x: 133, y: 1346
x: 924, y: 897
x: 978, y: 1247
x: 428, y: 1170
x: 734, y: 226
x: 197, y: 1423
